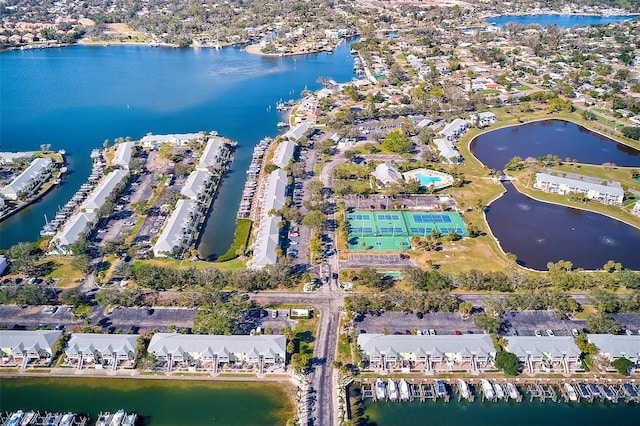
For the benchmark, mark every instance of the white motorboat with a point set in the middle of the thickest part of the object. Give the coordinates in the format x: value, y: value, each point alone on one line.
x: 464, y: 389
x: 392, y: 390
x: 130, y: 419
x: 67, y: 419
x: 404, y: 390
x: 28, y: 417
x: 104, y: 419
x: 381, y: 391
x: 14, y: 419
x: 571, y: 392
x: 117, y: 418
x: 487, y: 389
x: 499, y: 391
x: 513, y: 391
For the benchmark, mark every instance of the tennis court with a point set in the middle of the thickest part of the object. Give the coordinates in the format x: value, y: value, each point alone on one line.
x: 391, y: 230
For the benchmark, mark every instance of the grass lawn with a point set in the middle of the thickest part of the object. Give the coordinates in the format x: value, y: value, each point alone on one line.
x: 240, y: 240
x: 64, y: 272
x: 231, y: 265
x: 305, y: 333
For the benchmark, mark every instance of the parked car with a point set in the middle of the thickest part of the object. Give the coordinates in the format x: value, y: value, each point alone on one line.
x: 432, y: 332
x: 537, y: 333
x: 457, y: 332
x: 550, y: 333
x: 574, y: 332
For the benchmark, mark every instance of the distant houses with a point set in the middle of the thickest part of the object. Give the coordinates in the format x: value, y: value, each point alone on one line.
x: 612, y: 347
x: 21, y: 349
x: 448, y: 152
x: 101, y: 351
x: 455, y: 129
x: 570, y: 185
x: 386, y: 173
x: 154, y: 141
x: 483, y: 119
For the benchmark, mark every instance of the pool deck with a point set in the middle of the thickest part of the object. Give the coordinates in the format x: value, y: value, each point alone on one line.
x: 445, y: 179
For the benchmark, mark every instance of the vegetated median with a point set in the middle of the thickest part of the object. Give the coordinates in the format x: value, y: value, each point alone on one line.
x: 240, y: 240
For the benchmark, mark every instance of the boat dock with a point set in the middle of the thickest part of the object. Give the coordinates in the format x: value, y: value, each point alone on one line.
x: 247, y: 209
x: 542, y: 390
x: 36, y: 418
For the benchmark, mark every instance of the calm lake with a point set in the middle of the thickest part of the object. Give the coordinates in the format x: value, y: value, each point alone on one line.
x: 159, y: 402
x: 74, y: 98
x: 565, y: 21
x: 538, y: 233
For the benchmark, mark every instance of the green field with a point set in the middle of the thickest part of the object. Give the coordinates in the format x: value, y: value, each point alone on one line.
x: 391, y: 230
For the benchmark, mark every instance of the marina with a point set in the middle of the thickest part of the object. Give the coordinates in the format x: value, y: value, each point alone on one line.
x: 35, y: 418
x: 246, y: 209
x: 495, y: 390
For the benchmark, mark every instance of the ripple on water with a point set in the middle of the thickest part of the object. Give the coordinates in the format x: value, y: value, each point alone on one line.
x: 524, y: 207
x: 608, y: 241
x: 501, y: 148
x: 541, y: 241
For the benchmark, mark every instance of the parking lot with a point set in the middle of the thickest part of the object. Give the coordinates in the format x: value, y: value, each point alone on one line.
x: 30, y: 317
x: 628, y: 321
x: 145, y: 319
x: 403, y: 323
x: 525, y: 323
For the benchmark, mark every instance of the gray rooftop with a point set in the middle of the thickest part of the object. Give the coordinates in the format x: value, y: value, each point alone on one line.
x: 616, y: 346
x: 104, y: 343
x: 436, y: 345
x: 386, y: 173
x: 178, y: 222
x: 29, y: 341
x: 555, y: 346
x: 195, y: 184
x: 76, y: 227
x: 103, y: 191
x: 175, y: 343
x: 283, y: 153
x: 212, y: 153
x: 122, y: 156
x: 581, y: 184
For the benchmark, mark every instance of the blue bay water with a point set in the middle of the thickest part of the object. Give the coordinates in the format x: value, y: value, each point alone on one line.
x: 564, y: 21
x: 74, y: 98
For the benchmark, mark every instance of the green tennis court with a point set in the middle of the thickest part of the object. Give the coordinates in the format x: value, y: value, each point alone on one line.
x: 391, y: 230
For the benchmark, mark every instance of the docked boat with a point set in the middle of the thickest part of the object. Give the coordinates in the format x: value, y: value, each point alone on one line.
x: 583, y: 391
x: 464, y: 389
x: 52, y: 420
x: 67, y: 419
x: 593, y: 389
x: 487, y: 389
x: 381, y: 392
x: 14, y: 419
x: 28, y: 417
x: 62, y: 152
x: 499, y: 391
x: 64, y: 169
x: 392, y: 390
x: 571, y: 392
x: 608, y: 393
x: 130, y: 419
x: 104, y: 419
x: 513, y: 391
x: 629, y: 390
x: 57, y: 181
x: 441, y: 390
x: 404, y: 390
x: 282, y: 124
x: 117, y: 418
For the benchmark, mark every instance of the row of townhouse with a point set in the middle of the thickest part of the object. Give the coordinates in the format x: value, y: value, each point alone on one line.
x: 182, y: 226
x: 568, y: 185
x: 171, y: 351
x: 473, y: 353
x: 28, y: 182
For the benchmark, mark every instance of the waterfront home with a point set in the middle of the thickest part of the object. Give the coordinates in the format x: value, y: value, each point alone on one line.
x: 199, y: 186
x: 28, y: 182
x: 636, y: 209
x: 455, y: 129
x: 573, y: 185
x: 267, y: 236
x: 18, y: 348
x: 214, y: 155
x: 428, y: 353
x: 179, y: 232
x: 483, y: 119
x: 300, y: 130
x: 77, y: 229
x: 448, y: 152
x: 283, y: 153
x: 9, y: 157
x: 214, y: 353
x: 154, y: 141
x: 122, y: 156
x: 612, y: 346
x: 544, y: 353
x: 386, y: 173
x: 105, y: 190
x: 111, y: 351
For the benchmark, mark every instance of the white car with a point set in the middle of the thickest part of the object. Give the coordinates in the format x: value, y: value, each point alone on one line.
x: 537, y: 333
x: 574, y: 332
x: 293, y: 242
x: 432, y: 332
x: 550, y: 333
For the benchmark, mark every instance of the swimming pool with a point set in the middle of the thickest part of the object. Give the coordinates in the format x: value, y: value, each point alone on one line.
x: 427, y: 180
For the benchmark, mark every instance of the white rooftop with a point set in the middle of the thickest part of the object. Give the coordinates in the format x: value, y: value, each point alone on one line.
x: 299, y: 130
x: 212, y: 153
x: 104, y: 343
x: 386, y: 173
x: 437, y: 345
x: 76, y: 228
x: 103, y: 191
x: 274, y: 193
x: 24, y: 179
x: 267, y: 239
x: 178, y: 344
x: 617, y: 346
x: 195, y: 184
x: 173, y: 232
x: 446, y: 149
x: 122, y: 156
x: 555, y: 346
x: 283, y: 153
x: 28, y: 341
x: 587, y: 186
